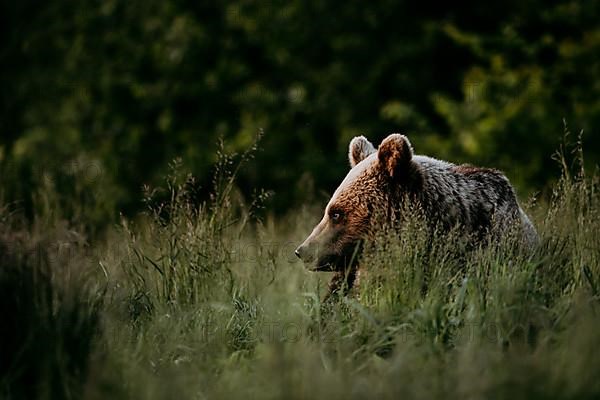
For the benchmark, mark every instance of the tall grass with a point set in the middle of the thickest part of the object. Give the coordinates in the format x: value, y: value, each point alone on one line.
x: 203, y: 300
x: 50, y: 312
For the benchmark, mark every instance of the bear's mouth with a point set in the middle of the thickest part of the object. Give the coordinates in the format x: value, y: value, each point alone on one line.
x: 329, y: 263
x: 325, y: 264
x: 328, y: 267
x: 338, y: 262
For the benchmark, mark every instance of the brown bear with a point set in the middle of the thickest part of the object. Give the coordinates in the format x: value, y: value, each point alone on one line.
x: 384, y: 181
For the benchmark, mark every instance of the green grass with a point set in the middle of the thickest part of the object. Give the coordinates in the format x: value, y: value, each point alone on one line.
x: 203, y: 301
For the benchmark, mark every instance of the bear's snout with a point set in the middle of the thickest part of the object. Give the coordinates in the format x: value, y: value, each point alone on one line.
x: 302, y: 253
x: 317, y: 251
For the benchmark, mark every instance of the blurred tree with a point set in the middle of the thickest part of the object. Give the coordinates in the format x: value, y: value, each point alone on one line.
x: 128, y: 86
x: 538, y: 69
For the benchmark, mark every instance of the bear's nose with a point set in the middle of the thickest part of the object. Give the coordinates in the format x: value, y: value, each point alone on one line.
x: 299, y: 252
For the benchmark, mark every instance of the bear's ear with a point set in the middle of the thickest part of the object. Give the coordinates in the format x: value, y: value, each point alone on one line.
x: 359, y: 149
x: 395, y: 154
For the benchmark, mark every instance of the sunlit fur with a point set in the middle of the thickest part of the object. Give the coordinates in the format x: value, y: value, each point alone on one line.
x: 480, y: 201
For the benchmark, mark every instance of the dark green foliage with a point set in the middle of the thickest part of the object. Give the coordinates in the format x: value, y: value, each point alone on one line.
x: 120, y: 88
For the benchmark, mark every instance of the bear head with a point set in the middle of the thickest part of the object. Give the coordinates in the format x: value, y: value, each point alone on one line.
x: 363, y: 203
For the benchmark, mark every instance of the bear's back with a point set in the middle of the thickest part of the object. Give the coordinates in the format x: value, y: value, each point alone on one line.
x: 476, y: 198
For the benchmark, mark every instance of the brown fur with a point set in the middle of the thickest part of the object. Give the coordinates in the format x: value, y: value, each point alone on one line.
x: 394, y: 154
x: 374, y: 193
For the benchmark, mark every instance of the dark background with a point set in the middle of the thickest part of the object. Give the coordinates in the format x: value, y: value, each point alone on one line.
x: 98, y: 97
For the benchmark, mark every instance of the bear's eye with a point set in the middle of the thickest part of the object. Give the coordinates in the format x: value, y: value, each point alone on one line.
x: 336, y: 216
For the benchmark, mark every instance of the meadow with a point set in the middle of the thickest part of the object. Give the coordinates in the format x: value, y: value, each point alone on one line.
x: 205, y: 300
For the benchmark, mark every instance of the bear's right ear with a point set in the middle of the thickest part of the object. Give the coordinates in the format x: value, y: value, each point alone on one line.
x: 395, y: 154
x: 359, y: 149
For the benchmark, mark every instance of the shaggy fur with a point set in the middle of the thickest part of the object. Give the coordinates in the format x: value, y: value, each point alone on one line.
x: 479, y: 200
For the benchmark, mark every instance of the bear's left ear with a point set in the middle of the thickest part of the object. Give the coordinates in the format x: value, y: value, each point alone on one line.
x: 359, y: 149
x: 395, y: 154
